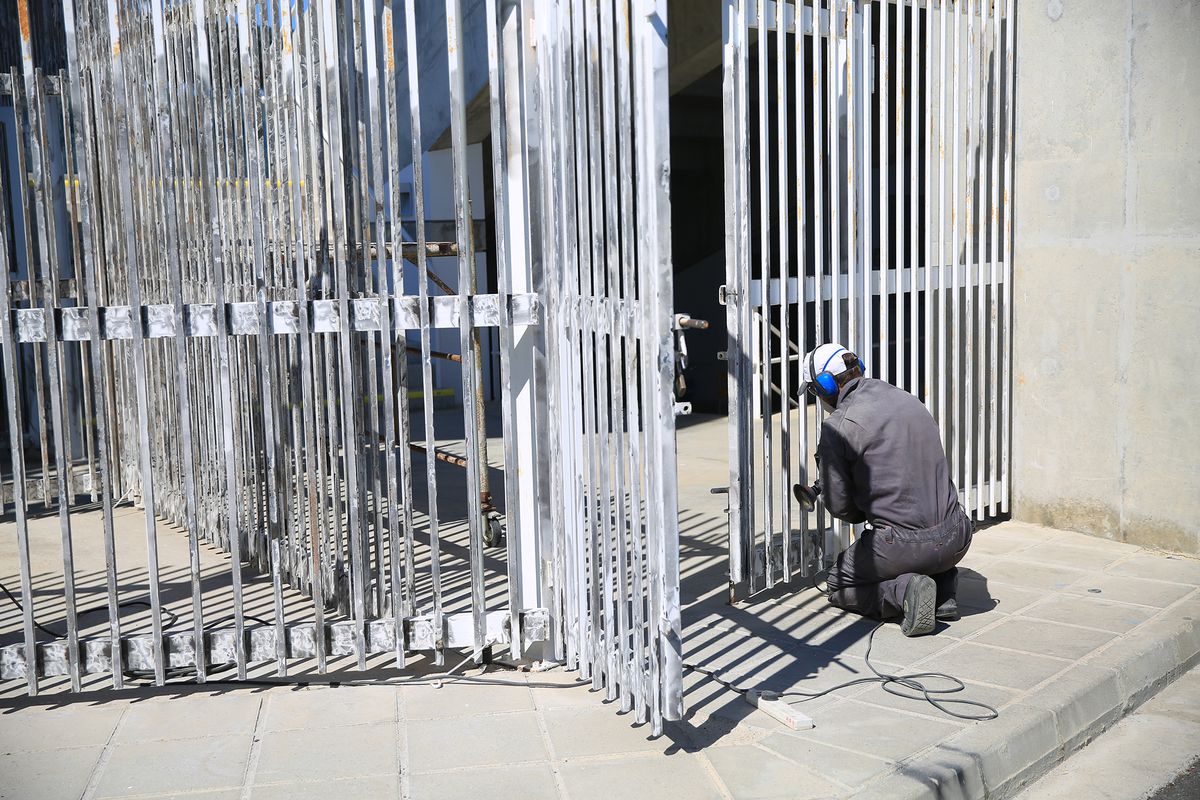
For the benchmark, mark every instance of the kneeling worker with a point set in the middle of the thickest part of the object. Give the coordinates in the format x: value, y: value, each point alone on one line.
x: 881, y: 461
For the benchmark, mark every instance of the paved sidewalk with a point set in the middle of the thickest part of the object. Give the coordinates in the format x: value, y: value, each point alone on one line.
x: 1064, y: 633
x: 1136, y: 757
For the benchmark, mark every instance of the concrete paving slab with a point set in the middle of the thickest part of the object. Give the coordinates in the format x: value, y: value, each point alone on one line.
x: 462, y: 742
x: 1005, y: 668
x: 490, y: 694
x: 1140, y: 591
x: 1078, y: 555
x: 514, y: 782
x: 878, y: 731
x: 990, y: 594
x: 990, y: 543
x: 1091, y: 611
x: 1031, y: 574
x: 324, y: 706
x: 981, y: 693
x: 372, y: 786
x: 179, y: 765
x: 972, y: 621
x: 1044, y: 638
x: 561, y: 689
x: 597, y: 731
x: 756, y: 773
x: 34, y: 727
x: 1162, y: 567
x: 47, y: 773
x: 679, y: 775
x: 844, y: 766
x: 190, y: 717
x: 326, y: 754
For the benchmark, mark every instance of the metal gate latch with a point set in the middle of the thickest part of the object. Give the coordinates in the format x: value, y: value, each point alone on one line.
x: 682, y: 323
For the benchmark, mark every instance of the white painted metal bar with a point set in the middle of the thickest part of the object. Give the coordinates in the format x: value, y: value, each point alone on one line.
x: 913, y: 128
x: 785, y: 379
x: 1007, y: 255
x: 801, y: 199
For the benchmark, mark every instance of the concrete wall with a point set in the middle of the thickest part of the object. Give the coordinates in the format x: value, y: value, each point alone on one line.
x: 1106, y: 428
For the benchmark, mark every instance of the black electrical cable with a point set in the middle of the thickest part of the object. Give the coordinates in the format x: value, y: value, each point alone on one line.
x: 885, y: 680
x: 911, y: 681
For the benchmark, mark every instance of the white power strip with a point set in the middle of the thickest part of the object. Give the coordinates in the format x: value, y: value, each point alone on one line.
x: 769, y: 703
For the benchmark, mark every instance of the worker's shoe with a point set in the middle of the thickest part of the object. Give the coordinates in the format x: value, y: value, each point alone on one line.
x: 920, y: 603
x: 947, y: 611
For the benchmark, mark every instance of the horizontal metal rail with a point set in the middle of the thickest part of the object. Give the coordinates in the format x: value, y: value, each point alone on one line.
x: 262, y: 644
x: 74, y: 324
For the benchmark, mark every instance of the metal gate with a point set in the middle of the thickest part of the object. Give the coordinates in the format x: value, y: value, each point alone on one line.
x: 221, y: 292
x: 868, y: 185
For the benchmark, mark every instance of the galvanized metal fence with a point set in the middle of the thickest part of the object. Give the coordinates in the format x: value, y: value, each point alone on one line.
x: 209, y: 319
x: 869, y: 202
x: 602, y: 79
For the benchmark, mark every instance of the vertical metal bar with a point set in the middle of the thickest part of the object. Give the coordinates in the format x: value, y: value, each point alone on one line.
x: 866, y: 150
x: 736, y: 211
x: 819, y: 217
x: 650, y: 67
x: 970, y: 256
x: 980, y: 400
x: 497, y: 101
x: 927, y: 188
x: 21, y: 94
x: 254, y: 210
x: 942, y: 411
x: 901, y: 184
x: 851, y: 179
x: 401, y: 549
x: 628, y: 291
x: 8, y: 341
x: 137, y: 347
x: 466, y: 287
x: 600, y: 512
x: 48, y: 273
x: 954, y: 441
x: 785, y: 298
x: 616, y: 439
x: 801, y: 199
x: 414, y: 101
x: 85, y: 158
x: 174, y: 270
x: 293, y: 37
x: 914, y: 191
x: 765, y: 336
x: 583, y: 367
x: 1007, y: 255
x: 994, y: 243
x: 218, y: 232
x: 885, y: 199
x: 332, y: 107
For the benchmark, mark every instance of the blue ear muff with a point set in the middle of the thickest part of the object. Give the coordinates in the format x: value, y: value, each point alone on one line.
x: 827, y: 384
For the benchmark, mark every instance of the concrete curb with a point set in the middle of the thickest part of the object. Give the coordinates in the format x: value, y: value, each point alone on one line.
x: 997, y: 759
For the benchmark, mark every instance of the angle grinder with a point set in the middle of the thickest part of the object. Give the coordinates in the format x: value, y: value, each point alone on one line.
x: 806, y: 495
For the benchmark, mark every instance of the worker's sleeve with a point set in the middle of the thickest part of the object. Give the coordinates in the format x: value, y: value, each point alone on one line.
x: 835, y: 458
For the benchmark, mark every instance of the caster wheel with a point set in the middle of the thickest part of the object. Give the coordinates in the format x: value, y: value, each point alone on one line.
x: 493, y: 532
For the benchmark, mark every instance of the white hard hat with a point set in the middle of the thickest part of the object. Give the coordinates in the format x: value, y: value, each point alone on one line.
x: 826, y: 358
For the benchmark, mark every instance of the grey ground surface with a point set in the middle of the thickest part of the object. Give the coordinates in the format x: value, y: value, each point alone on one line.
x: 1139, y: 756
x: 1060, y: 659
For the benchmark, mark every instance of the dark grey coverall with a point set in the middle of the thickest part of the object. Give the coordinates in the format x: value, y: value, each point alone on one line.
x: 881, y: 461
